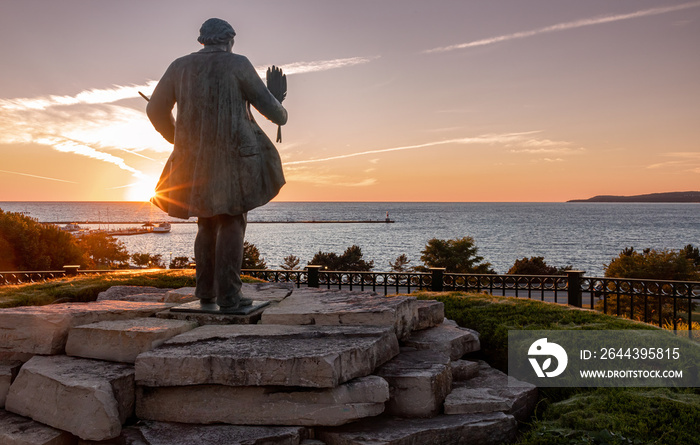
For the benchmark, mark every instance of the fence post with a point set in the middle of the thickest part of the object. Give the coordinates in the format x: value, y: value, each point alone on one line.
x: 573, y: 287
x: 71, y: 270
x: 438, y: 274
x: 313, y: 275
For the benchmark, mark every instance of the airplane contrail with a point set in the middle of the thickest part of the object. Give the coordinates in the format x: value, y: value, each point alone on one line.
x: 565, y: 26
x: 39, y: 177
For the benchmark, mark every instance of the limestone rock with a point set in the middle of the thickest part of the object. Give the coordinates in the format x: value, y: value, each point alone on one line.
x: 182, y: 295
x: 122, y: 340
x: 8, y: 372
x: 427, y: 314
x: 18, y: 430
x: 44, y: 329
x: 164, y: 433
x: 446, y: 338
x: 250, y: 405
x: 128, y: 293
x: 311, y: 306
x: 464, y: 370
x: 419, y: 381
x: 490, y: 391
x: 262, y: 355
x: 88, y: 398
x: 482, y: 429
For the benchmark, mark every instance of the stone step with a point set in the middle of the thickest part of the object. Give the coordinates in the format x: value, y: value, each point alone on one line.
x: 447, y: 338
x: 492, y: 390
x: 250, y: 405
x: 165, y: 433
x: 44, y: 329
x: 482, y: 429
x: 464, y: 370
x: 122, y: 340
x: 267, y: 355
x: 427, y: 314
x: 321, y: 307
x: 8, y: 372
x: 131, y: 293
x: 88, y: 398
x: 419, y: 381
x: 18, y: 430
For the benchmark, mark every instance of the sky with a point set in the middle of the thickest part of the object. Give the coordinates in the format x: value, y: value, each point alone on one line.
x: 388, y: 100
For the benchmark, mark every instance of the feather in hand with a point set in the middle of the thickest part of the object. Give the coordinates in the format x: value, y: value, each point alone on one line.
x: 277, y: 84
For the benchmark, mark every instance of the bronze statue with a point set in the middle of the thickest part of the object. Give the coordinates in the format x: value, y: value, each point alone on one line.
x: 223, y: 164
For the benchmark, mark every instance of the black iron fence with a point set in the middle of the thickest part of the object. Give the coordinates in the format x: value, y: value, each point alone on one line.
x: 661, y: 302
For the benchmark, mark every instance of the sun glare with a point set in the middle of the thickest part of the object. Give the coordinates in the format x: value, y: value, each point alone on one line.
x: 141, y: 191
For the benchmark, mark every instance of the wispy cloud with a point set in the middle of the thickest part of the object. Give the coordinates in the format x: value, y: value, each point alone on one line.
x: 682, y: 161
x: 566, y: 26
x: 319, y: 65
x: 525, y: 139
x: 321, y: 178
x: 38, y: 177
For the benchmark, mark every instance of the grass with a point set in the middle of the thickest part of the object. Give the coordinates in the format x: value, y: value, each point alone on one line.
x: 84, y: 288
x: 577, y: 415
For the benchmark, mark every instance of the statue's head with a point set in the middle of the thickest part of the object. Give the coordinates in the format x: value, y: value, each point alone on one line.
x: 215, y: 32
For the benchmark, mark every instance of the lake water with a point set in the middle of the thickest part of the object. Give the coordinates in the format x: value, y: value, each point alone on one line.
x: 584, y: 235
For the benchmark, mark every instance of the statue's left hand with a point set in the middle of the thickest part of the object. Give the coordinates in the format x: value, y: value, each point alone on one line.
x: 277, y: 83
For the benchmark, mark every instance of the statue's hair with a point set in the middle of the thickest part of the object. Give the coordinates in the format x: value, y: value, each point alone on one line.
x: 215, y: 32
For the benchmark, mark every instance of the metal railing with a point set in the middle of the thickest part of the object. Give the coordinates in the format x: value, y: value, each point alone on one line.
x: 651, y: 301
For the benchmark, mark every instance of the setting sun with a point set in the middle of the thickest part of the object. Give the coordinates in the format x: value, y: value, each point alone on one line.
x: 142, y: 190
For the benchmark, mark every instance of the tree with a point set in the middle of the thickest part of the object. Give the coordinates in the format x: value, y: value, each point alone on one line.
x: 252, y: 258
x: 291, y: 262
x: 180, y: 262
x: 103, y: 251
x: 655, y: 264
x: 455, y: 255
x: 692, y: 253
x: 26, y: 244
x: 534, y: 266
x: 350, y: 260
x: 400, y: 264
x: 146, y: 260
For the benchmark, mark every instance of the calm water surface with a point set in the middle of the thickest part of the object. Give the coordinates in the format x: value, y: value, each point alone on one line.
x: 584, y: 235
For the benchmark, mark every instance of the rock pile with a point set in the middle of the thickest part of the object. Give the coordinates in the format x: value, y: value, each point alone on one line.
x: 313, y: 367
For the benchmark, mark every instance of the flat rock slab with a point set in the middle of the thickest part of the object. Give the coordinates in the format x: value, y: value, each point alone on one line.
x: 122, y: 340
x: 44, y: 329
x: 18, y: 430
x: 482, y: 429
x: 427, y: 314
x: 492, y: 390
x: 8, y: 372
x: 164, y: 433
x: 464, y: 370
x: 131, y: 293
x: 250, y: 405
x: 337, y: 307
x: 213, y: 309
x: 447, y: 338
x: 419, y: 381
x: 273, y: 292
x: 263, y: 355
x: 88, y: 398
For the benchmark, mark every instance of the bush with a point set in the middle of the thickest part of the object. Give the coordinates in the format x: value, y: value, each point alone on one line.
x: 400, y: 264
x: 103, y: 251
x: 146, y: 260
x: 25, y: 244
x: 535, y: 266
x: 291, y: 262
x: 350, y: 260
x: 180, y: 262
x: 455, y: 255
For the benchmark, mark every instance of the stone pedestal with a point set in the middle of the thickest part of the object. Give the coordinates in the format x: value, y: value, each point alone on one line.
x: 419, y: 381
x: 88, y: 398
x: 482, y: 429
x: 447, y: 338
x: 323, y: 307
x: 44, y: 329
x: 205, y: 404
x: 264, y: 355
x: 122, y: 340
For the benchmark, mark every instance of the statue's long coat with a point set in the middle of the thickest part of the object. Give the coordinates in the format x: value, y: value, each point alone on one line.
x: 222, y: 162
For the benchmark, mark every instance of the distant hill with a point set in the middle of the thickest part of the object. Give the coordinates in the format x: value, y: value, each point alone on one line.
x: 652, y: 197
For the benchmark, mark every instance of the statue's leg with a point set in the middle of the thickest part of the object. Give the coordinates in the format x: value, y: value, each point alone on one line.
x: 229, y: 258
x: 204, y: 256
